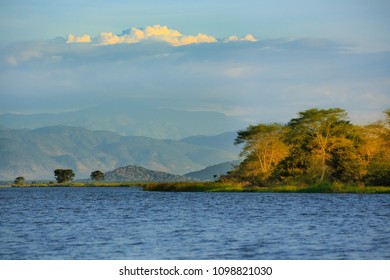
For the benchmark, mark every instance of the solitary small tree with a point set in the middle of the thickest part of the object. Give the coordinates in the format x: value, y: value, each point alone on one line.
x: 64, y: 175
x: 19, y: 181
x: 97, y: 175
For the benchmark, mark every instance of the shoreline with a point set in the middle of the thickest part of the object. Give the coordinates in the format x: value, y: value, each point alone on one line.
x: 220, y: 187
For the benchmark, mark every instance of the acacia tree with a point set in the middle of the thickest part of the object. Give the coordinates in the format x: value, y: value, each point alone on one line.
x: 19, y: 181
x: 97, y: 175
x: 318, y: 145
x: 321, y: 139
x: 263, y: 149
x: 377, y: 151
x: 64, y: 175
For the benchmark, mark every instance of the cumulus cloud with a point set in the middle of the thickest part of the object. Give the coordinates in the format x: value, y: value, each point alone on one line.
x: 156, y: 33
x: 153, y: 33
x: 79, y: 39
x: 248, y: 37
x: 108, y: 38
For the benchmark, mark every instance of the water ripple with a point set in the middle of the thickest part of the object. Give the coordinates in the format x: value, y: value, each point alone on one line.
x: 123, y: 223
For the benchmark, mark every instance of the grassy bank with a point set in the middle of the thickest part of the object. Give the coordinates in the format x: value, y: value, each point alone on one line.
x: 194, y: 187
x: 225, y: 187
x: 332, y: 188
x: 80, y: 184
x: 220, y: 187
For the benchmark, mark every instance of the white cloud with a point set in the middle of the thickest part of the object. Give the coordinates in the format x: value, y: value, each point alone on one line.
x: 187, y: 40
x: 108, y: 38
x: 248, y: 37
x: 78, y: 39
x: 155, y: 32
x: 160, y: 31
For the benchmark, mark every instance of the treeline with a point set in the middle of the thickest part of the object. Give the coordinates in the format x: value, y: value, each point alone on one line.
x: 63, y: 176
x: 320, y: 145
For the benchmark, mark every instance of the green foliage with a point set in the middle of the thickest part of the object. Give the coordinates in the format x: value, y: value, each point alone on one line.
x: 292, y: 168
x: 320, y: 146
x: 377, y: 152
x: 263, y: 149
x: 97, y: 176
x: 320, y: 187
x: 378, y: 171
x: 19, y: 181
x: 321, y: 135
x: 64, y: 175
x: 194, y: 187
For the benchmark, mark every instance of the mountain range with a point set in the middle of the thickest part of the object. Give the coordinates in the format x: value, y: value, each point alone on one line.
x: 133, y: 173
x: 35, y: 153
x: 212, y: 172
x: 131, y: 119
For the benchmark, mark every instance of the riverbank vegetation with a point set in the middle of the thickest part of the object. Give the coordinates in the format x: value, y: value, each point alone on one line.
x: 318, y: 147
x: 240, y: 187
x: 320, y: 151
x: 223, y: 187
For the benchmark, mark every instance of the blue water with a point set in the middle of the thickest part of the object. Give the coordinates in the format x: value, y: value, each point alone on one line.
x: 127, y: 223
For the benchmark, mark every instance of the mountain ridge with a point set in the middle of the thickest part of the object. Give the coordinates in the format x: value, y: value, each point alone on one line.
x: 131, y: 119
x: 212, y: 172
x: 133, y: 173
x: 35, y: 153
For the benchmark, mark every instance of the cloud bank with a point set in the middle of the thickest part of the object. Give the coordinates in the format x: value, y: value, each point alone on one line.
x: 152, y: 33
x: 259, y: 81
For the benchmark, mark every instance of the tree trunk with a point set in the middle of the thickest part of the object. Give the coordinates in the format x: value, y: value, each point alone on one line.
x: 323, y: 169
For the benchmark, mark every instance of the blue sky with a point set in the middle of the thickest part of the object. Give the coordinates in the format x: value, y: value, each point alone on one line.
x: 362, y: 22
x: 304, y: 54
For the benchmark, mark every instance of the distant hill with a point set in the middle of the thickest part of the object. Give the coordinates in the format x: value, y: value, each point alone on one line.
x: 224, y: 141
x: 210, y: 173
x: 131, y: 119
x: 34, y: 154
x: 133, y: 173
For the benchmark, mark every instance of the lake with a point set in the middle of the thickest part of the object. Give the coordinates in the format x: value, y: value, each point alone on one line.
x: 128, y: 223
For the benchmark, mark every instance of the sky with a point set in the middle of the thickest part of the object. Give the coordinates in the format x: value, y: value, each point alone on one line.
x: 260, y: 61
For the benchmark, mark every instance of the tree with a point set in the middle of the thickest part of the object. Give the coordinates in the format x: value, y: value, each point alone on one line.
x: 377, y: 152
x: 318, y: 145
x: 64, y: 175
x: 19, y: 181
x: 346, y: 159
x: 97, y: 175
x: 263, y: 149
x: 321, y: 140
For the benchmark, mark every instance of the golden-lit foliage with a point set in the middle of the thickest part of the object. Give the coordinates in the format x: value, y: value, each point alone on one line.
x: 318, y: 146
